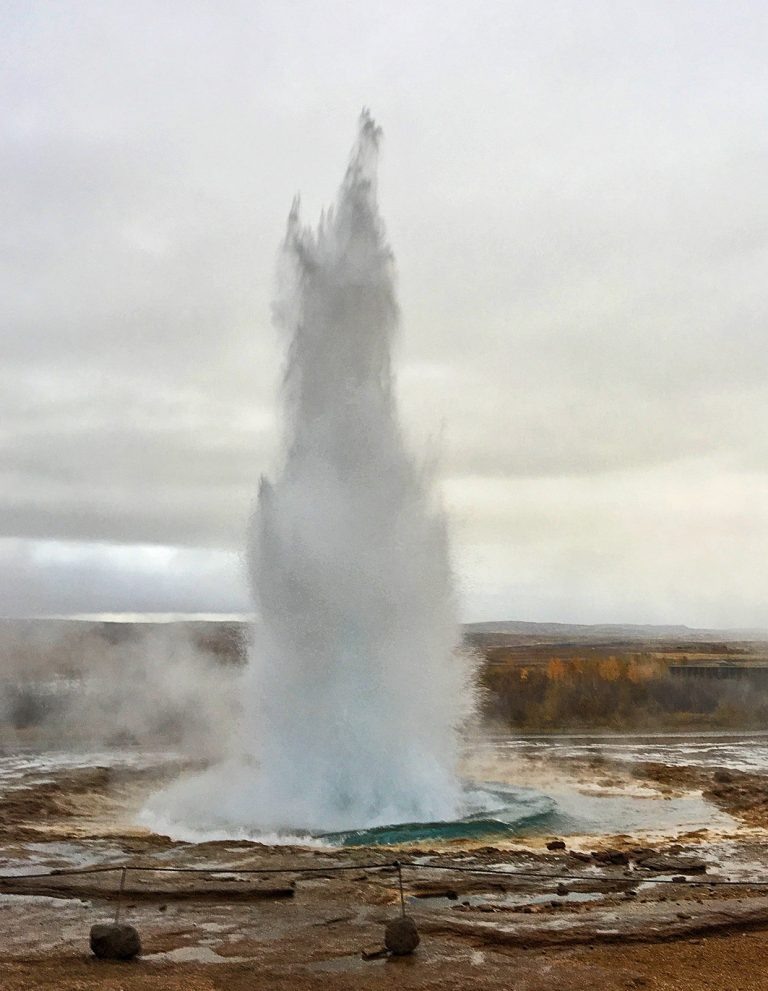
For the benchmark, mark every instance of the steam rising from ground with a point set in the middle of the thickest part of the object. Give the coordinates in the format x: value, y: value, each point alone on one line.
x: 72, y: 684
x: 355, y: 689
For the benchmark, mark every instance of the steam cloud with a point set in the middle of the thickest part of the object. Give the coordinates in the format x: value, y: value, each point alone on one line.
x: 88, y: 685
x: 356, y: 687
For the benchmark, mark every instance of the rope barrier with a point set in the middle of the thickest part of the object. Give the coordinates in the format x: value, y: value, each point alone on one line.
x: 600, y: 878
x: 399, y: 867
x: 395, y: 865
x: 120, y: 891
x: 165, y: 869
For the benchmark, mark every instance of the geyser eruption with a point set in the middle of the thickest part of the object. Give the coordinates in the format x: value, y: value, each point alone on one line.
x: 356, y: 687
x: 359, y: 691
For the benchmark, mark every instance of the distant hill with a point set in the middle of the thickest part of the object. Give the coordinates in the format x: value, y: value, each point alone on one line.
x: 608, y: 631
x: 120, y: 626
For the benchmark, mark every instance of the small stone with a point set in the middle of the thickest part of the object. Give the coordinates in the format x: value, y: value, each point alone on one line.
x: 374, y: 952
x: 401, y: 936
x: 723, y: 777
x: 641, y: 852
x: 556, y: 845
x: 562, y: 890
x: 610, y: 857
x: 674, y: 865
x: 115, y: 941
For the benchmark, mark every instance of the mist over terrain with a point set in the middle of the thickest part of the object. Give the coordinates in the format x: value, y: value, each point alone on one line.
x: 80, y: 684
x: 178, y: 684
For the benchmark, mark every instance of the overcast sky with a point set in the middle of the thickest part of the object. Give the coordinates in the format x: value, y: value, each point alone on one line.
x: 576, y: 196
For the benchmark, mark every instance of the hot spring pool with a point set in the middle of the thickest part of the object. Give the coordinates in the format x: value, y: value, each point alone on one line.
x: 492, y: 810
x: 496, y: 811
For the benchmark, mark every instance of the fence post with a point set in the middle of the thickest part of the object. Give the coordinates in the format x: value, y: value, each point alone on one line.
x: 399, y: 867
x: 120, y: 896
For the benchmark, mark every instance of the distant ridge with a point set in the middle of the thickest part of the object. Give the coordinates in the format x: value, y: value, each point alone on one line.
x: 612, y: 631
x: 507, y: 628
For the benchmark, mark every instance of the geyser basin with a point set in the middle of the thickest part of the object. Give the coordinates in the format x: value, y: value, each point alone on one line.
x: 489, y: 810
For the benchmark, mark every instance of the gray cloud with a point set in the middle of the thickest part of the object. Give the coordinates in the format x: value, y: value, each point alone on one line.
x: 44, y: 578
x: 575, y: 194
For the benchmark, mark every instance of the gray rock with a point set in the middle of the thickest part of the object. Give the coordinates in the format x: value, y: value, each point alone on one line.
x: 642, y: 852
x: 583, y: 858
x: 674, y: 865
x: 610, y: 857
x: 401, y: 936
x: 115, y: 941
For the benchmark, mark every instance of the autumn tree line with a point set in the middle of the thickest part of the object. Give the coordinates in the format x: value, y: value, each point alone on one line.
x: 617, y: 693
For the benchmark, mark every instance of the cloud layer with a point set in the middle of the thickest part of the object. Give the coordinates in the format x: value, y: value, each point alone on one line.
x: 575, y: 195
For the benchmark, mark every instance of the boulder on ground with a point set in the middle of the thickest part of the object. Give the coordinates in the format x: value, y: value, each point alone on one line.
x: 583, y: 858
x: 401, y: 936
x: 610, y: 857
x: 556, y: 845
x: 674, y: 865
x: 642, y: 852
x: 115, y: 941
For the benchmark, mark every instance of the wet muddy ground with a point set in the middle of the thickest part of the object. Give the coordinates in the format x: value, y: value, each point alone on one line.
x: 628, y: 909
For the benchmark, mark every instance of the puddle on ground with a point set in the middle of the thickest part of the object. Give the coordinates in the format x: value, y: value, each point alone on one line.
x: 192, y: 954
x: 600, y: 815
x: 19, y: 868
x: 505, y: 900
x: 47, y: 900
x: 345, y: 964
x: 720, y: 748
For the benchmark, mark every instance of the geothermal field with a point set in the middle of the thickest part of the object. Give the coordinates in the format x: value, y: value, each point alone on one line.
x: 600, y: 856
x: 347, y: 788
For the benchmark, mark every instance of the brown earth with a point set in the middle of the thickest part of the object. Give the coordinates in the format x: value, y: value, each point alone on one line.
x: 734, y: 962
x: 306, y: 925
